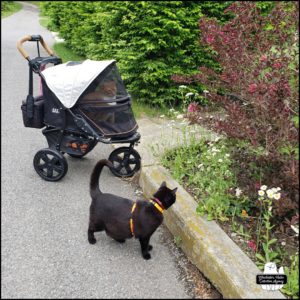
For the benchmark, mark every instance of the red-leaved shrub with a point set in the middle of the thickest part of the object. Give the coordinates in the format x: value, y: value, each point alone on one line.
x: 258, y: 87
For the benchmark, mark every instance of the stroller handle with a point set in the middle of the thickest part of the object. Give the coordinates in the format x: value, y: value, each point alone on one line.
x: 32, y: 38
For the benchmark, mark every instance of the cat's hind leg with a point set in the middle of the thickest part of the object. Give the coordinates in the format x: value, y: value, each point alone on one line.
x: 91, y: 230
x: 91, y: 236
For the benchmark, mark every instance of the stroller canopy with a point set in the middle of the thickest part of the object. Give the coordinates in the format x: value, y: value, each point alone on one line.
x: 68, y: 81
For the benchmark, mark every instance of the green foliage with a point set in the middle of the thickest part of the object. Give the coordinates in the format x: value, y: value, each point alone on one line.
x: 6, y: 5
x: 151, y: 40
x: 265, y: 6
x: 205, y: 168
x: 292, y: 287
x: 65, y: 53
x: 9, y: 7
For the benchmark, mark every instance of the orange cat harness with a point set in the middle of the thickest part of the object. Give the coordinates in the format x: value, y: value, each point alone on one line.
x: 158, y: 205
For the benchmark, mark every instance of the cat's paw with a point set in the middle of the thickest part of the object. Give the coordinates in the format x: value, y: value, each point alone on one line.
x: 150, y: 247
x: 92, y: 241
x: 147, y: 256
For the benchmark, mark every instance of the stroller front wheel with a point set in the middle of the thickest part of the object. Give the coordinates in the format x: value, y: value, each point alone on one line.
x: 126, y: 161
x: 50, y: 164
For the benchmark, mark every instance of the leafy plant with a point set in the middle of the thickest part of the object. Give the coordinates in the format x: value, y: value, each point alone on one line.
x: 257, y: 87
x: 151, y: 40
x: 205, y: 167
x: 292, y: 287
x: 264, y: 222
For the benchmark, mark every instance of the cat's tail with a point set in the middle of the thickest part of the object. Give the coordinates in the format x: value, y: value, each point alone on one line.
x: 94, y: 183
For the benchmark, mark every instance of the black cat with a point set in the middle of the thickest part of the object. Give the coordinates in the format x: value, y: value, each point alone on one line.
x: 122, y: 218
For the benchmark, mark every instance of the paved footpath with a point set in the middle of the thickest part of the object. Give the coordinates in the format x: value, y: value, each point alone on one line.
x: 45, y: 253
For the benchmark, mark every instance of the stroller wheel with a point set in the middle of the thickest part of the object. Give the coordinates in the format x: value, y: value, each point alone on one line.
x: 50, y: 164
x: 126, y: 161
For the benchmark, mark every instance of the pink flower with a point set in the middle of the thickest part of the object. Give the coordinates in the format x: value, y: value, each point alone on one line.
x: 263, y: 58
x: 210, y: 39
x: 252, y: 88
x: 251, y: 244
x: 277, y: 65
x: 193, y: 107
x: 272, y: 88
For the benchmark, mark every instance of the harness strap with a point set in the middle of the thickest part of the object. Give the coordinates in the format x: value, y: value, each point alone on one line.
x: 156, y: 205
x: 131, y: 220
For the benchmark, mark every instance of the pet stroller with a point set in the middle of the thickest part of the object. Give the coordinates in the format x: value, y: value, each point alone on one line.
x: 76, y: 114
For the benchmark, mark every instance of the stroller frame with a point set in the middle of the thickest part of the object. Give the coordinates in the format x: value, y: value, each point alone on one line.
x: 50, y: 163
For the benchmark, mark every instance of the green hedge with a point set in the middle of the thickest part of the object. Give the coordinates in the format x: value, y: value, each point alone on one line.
x: 151, y: 40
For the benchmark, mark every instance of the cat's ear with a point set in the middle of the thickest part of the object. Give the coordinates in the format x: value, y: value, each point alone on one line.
x: 174, y: 191
x: 163, y: 185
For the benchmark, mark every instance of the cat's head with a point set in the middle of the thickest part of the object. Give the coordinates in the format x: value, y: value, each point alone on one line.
x: 109, y: 88
x: 166, y: 196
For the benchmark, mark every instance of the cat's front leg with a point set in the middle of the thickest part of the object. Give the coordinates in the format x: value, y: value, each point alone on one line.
x: 91, y: 236
x: 145, y: 247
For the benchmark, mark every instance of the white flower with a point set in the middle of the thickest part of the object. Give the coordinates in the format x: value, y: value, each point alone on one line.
x: 162, y: 116
x: 227, y: 155
x: 261, y: 193
x: 171, y: 109
x: 263, y: 187
x: 270, y: 208
x: 277, y: 196
x: 238, y: 192
x: 278, y: 189
x: 180, y: 117
x: 189, y: 95
x: 205, y: 91
x: 270, y: 193
x: 220, y: 160
x: 283, y: 243
x: 182, y: 86
x: 295, y: 228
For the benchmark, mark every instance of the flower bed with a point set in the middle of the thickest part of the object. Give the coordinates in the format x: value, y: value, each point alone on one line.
x: 230, y: 190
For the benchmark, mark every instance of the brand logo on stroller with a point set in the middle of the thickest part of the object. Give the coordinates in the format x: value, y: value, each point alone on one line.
x: 55, y: 110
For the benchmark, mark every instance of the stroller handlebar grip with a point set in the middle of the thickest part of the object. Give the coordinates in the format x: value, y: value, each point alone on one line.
x: 28, y: 38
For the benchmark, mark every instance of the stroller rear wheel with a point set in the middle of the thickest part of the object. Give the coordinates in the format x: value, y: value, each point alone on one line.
x: 126, y: 161
x: 50, y: 164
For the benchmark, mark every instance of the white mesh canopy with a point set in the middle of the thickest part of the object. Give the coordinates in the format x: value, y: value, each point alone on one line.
x: 69, y: 80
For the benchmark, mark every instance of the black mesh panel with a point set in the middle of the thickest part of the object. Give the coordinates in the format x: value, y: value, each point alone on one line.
x: 113, y: 119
